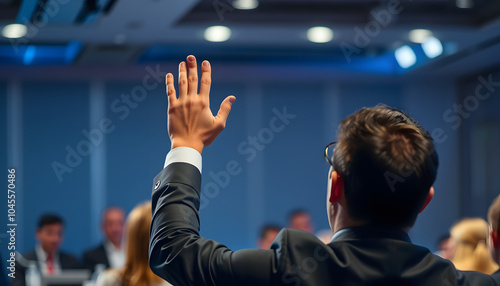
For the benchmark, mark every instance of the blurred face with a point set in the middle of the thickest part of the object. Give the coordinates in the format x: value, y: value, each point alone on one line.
x: 301, y: 221
x: 113, y: 224
x: 447, y: 248
x: 50, y: 237
x: 265, y: 243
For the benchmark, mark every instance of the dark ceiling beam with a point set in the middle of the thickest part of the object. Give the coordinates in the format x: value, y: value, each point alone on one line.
x: 9, y: 9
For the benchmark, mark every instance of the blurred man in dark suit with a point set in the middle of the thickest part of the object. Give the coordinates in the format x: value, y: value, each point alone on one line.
x: 381, y: 173
x: 49, y: 259
x: 110, y: 252
x: 300, y: 219
x: 267, y: 234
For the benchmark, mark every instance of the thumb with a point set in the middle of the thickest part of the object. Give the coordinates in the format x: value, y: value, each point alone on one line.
x: 225, y: 108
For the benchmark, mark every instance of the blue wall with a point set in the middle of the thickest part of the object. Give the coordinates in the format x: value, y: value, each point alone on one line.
x: 286, y: 170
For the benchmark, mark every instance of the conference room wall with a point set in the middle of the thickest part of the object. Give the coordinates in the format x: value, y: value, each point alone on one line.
x: 242, y: 189
x: 479, y: 141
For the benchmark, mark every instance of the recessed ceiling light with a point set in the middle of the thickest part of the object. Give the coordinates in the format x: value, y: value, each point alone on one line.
x: 432, y: 47
x: 320, y: 34
x: 14, y: 31
x: 405, y: 56
x: 217, y: 34
x: 419, y: 35
x: 464, y: 4
x: 245, y: 4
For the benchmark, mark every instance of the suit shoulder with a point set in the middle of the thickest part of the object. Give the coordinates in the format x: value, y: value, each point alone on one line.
x: 30, y: 255
x: 293, y: 244
x: 287, y: 233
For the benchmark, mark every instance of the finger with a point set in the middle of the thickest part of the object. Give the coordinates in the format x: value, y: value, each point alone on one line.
x: 169, y: 80
x: 193, y: 75
x: 183, y: 86
x: 225, y: 108
x: 206, y: 79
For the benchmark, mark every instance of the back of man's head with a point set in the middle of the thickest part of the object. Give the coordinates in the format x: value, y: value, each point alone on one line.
x: 388, y: 164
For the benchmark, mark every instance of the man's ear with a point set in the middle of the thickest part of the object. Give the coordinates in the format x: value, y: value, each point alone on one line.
x: 336, y: 187
x: 430, y: 195
x: 494, y: 238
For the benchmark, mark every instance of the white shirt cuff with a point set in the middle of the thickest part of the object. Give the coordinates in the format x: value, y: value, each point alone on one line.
x: 184, y: 155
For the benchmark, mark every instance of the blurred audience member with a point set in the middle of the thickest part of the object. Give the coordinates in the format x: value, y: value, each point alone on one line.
x: 50, y: 260
x: 446, y: 247
x: 267, y: 235
x: 494, y: 220
x: 136, y: 271
x: 110, y: 252
x: 471, y: 252
x: 300, y: 219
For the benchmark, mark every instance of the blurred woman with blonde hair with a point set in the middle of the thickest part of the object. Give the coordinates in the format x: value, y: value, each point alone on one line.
x: 471, y: 253
x: 136, y: 271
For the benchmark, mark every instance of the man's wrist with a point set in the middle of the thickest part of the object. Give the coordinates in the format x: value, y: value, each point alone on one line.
x: 197, y: 145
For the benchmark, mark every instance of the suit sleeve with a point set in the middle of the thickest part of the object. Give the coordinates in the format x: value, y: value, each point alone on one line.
x: 178, y: 253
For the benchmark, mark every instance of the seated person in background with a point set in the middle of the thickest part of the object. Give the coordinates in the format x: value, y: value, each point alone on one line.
x: 446, y: 247
x: 300, y: 219
x: 471, y: 251
x: 381, y: 175
x: 110, y: 252
x: 494, y: 220
x: 267, y: 235
x: 136, y: 271
x: 50, y: 260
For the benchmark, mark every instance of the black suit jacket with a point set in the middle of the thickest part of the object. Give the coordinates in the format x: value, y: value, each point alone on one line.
x: 95, y: 256
x: 366, y: 255
x: 66, y: 261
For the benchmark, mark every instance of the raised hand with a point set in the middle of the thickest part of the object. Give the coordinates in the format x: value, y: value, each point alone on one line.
x: 190, y: 120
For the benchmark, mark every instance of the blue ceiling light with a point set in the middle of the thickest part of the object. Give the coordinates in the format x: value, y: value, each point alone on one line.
x: 33, y: 55
x: 432, y: 47
x: 29, y: 55
x: 405, y: 56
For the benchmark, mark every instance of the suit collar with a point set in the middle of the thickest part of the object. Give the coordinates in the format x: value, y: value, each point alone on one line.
x: 364, y: 232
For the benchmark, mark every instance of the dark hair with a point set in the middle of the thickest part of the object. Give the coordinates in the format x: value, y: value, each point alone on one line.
x: 48, y: 219
x: 268, y: 227
x: 388, y: 164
